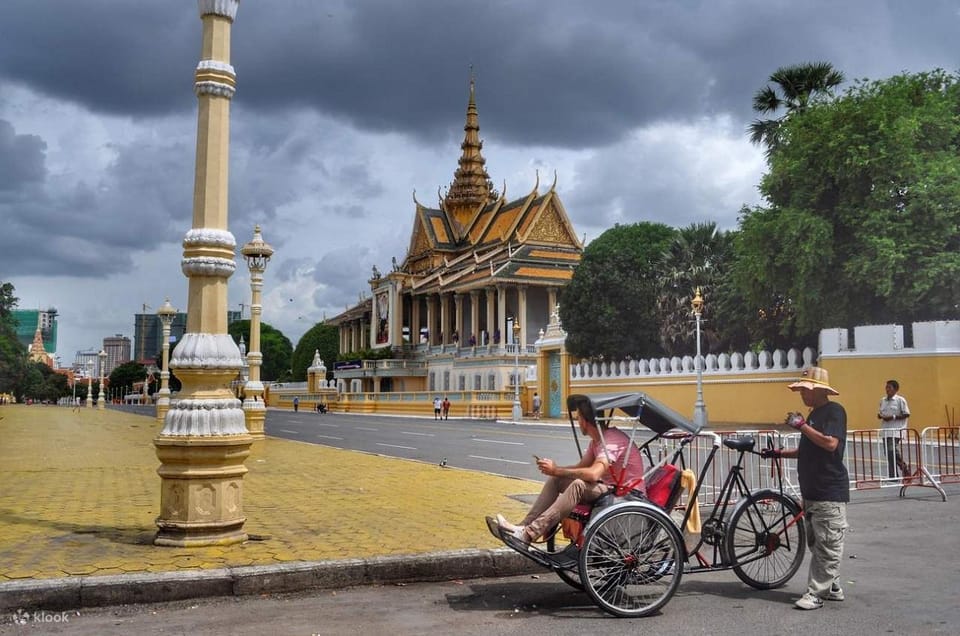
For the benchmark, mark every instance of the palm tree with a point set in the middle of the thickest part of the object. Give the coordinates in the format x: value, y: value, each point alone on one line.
x: 799, y: 86
x: 697, y: 257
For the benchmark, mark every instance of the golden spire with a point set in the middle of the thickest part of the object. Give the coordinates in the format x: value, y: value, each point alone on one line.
x: 37, y: 351
x: 471, y: 185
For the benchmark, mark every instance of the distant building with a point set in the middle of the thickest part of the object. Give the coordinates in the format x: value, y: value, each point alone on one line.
x: 27, y: 321
x: 117, y: 349
x: 37, y: 351
x: 87, y: 363
x: 148, y: 333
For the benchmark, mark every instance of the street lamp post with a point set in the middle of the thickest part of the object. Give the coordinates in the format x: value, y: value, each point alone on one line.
x: 699, y: 408
x: 89, y: 365
x: 517, y: 410
x: 166, y: 313
x: 102, y: 398
x: 257, y: 253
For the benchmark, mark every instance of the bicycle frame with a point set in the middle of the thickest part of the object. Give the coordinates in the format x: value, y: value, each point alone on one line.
x: 713, y: 528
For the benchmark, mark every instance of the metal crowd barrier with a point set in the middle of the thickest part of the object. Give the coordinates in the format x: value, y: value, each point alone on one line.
x: 759, y: 473
x: 927, y: 459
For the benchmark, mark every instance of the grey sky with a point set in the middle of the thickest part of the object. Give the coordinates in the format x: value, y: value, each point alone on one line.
x: 345, y: 108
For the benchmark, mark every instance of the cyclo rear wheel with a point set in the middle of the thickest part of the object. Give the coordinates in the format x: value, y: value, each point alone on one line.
x: 631, y: 560
x: 766, y: 539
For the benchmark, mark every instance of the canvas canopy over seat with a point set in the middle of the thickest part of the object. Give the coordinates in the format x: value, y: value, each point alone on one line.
x: 655, y: 415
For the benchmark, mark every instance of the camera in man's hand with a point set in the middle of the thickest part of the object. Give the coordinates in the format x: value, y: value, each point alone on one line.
x: 795, y: 420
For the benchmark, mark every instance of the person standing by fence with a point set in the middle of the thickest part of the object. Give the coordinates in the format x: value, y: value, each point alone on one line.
x: 824, y: 483
x: 893, y: 414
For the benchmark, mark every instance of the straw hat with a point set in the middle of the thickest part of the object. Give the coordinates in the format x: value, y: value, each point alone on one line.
x: 814, y: 378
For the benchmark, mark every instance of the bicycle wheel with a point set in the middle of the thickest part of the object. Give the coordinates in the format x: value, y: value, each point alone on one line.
x: 631, y: 560
x: 766, y: 539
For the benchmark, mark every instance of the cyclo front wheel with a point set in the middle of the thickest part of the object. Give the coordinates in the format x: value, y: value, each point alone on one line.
x: 766, y: 539
x: 631, y: 560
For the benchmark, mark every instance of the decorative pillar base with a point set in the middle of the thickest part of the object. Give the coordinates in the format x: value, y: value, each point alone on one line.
x: 201, y: 491
x: 162, y: 408
x: 254, y: 416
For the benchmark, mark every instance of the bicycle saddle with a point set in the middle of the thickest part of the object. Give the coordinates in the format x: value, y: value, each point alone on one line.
x: 739, y: 443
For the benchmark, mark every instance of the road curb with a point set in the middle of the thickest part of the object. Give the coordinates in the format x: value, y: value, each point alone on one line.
x: 95, y: 591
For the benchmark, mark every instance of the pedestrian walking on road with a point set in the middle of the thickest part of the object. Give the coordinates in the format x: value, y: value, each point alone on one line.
x: 296, y: 404
x: 536, y: 405
x: 824, y: 483
x: 893, y: 413
x: 437, y: 405
x: 446, y: 408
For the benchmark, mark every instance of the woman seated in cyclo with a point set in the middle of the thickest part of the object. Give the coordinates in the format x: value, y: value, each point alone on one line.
x: 585, y: 482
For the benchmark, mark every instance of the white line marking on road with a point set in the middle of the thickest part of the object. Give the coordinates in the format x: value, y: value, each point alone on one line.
x: 287, y: 430
x: 497, y: 441
x: 327, y: 437
x: 421, y: 434
x: 496, y: 459
x: 327, y: 425
x: 395, y: 446
x: 295, y: 421
x: 364, y: 428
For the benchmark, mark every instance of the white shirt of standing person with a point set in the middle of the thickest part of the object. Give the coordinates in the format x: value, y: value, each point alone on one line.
x: 894, y: 407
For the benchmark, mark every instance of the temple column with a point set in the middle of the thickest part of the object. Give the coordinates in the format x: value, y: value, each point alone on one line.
x: 444, y: 319
x: 474, y: 317
x: 491, y: 324
x: 502, y: 314
x: 431, y: 320
x: 458, y: 317
x: 414, y: 320
x: 522, y: 312
x: 551, y: 301
x: 204, y: 442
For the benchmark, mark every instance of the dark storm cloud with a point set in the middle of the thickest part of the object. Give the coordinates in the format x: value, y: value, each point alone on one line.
x: 22, y: 158
x: 564, y: 73
x: 88, y: 228
x: 112, y: 56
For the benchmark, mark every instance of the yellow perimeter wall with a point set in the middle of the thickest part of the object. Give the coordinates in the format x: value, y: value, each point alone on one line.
x: 756, y: 399
x: 929, y: 382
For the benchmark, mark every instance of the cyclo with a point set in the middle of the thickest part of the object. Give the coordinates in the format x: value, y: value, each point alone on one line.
x: 627, y: 550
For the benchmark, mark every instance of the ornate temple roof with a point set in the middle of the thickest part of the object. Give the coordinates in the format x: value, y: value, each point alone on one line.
x: 476, y: 238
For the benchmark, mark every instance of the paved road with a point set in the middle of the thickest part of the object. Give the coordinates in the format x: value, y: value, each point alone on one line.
x: 899, y: 574
x: 498, y: 448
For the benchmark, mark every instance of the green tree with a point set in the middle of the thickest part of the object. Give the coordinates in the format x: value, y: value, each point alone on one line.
x: 863, y: 209
x: 794, y: 89
x: 124, y: 376
x: 321, y: 337
x: 698, y: 256
x: 609, y: 307
x: 275, y: 347
x: 13, y: 357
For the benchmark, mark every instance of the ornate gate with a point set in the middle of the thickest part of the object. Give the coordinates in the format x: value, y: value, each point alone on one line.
x: 554, y: 399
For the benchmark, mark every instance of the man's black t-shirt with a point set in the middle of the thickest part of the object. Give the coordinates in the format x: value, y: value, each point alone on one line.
x: 821, y: 473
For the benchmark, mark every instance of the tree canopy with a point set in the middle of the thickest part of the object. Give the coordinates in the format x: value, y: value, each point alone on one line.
x: 609, y: 307
x: 123, y: 376
x: 274, y: 346
x: 321, y: 337
x: 791, y: 89
x: 697, y: 257
x: 13, y: 357
x: 863, y: 209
